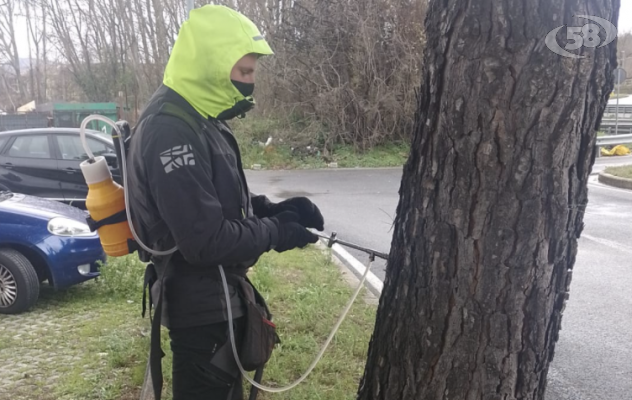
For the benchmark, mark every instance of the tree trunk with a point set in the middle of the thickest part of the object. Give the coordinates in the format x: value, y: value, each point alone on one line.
x: 161, y: 34
x: 492, y: 203
x: 27, y: 9
x: 45, y: 53
x: 34, y: 25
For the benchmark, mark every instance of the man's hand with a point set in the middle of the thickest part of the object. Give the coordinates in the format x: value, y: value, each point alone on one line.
x: 291, y: 233
x: 309, y: 215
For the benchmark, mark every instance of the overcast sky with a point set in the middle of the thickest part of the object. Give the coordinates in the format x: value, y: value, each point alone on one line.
x: 625, y: 16
x: 625, y: 25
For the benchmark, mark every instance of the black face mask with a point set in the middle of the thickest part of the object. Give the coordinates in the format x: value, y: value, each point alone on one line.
x: 246, y: 89
x: 238, y: 110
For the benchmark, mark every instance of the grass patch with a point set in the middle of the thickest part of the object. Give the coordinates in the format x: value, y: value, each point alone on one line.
x: 252, y: 131
x: 90, y: 343
x: 306, y: 294
x: 623, y: 171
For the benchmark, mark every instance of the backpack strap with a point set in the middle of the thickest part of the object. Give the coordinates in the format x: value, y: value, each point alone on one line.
x: 155, y: 350
x: 113, y: 219
x: 194, y: 122
x: 174, y: 110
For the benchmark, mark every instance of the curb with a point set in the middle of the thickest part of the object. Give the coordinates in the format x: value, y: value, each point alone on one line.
x: 352, y: 280
x: 616, y: 181
x: 356, y: 269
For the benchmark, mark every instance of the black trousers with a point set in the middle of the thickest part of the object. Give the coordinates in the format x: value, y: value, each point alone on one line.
x: 203, y: 364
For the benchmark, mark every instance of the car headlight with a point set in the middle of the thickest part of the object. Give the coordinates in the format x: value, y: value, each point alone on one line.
x: 68, y: 227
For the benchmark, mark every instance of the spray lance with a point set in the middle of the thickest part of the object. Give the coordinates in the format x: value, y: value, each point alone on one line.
x: 108, y: 205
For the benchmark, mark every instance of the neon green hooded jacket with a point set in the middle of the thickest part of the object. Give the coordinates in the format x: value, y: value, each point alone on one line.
x: 209, y: 44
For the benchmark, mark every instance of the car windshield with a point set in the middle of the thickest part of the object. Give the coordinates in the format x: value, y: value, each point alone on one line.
x: 105, y: 136
x: 5, y: 195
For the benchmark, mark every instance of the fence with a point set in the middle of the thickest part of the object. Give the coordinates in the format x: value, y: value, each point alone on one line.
x: 608, y: 126
x: 11, y: 122
x: 613, y: 140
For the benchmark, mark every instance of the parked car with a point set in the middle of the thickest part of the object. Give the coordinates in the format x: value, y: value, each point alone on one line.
x: 42, y: 240
x: 45, y: 162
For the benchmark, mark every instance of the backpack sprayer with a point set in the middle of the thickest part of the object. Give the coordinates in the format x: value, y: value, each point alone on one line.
x: 108, y: 205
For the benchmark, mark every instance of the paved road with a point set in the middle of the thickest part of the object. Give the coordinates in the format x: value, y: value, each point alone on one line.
x: 358, y: 204
x: 594, y: 355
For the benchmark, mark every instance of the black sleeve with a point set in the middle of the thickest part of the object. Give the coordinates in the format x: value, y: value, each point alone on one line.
x: 179, y: 176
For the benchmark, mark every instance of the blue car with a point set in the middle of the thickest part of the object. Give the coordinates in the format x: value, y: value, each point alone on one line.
x: 42, y: 240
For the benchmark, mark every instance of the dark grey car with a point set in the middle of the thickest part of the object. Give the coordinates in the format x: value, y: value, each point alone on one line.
x: 45, y: 162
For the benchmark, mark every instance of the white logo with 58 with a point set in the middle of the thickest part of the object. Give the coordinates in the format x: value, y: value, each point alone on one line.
x: 582, y: 36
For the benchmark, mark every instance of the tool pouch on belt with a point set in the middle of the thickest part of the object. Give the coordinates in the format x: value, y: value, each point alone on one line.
x: 260, y: 335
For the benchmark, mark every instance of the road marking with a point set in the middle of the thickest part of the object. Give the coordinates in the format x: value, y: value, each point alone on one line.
x: 599, y: 185
x: 371, y: 279
x: 609, y: 243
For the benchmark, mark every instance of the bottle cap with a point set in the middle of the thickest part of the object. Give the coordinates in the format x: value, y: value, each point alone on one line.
x: 97, y: 171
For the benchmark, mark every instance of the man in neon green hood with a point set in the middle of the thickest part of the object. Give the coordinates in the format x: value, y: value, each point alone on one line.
x: 187, y: 190
x: 201, y: 66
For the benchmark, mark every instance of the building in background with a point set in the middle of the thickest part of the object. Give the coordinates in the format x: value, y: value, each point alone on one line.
x: 70, y: 115
x: 28, y: 107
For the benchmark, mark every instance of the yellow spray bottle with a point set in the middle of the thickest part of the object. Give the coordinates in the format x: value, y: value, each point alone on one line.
x: 106, y: 199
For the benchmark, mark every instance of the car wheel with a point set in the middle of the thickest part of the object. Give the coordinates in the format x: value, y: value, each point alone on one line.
x: 19, y: 285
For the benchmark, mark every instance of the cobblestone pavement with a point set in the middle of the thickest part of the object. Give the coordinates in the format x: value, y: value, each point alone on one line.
x: 33, y: 352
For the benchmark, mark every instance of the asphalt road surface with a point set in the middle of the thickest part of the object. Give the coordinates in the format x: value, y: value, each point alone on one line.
x: 594, y: 354
x: 357, y: 204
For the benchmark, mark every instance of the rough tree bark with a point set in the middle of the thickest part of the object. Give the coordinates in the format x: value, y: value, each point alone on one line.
x: 492, y: 203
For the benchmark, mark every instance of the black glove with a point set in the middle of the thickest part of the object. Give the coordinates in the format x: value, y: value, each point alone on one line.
x: 291, y: 233
x: 309, y: 214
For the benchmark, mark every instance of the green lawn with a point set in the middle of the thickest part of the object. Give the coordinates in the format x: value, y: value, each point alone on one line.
x: 89, y: 342
x: 623, y: 171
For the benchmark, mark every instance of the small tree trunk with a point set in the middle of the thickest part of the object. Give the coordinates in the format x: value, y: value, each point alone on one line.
x: 492, y: 203
x: 45, y: 53
x: 27, y: 9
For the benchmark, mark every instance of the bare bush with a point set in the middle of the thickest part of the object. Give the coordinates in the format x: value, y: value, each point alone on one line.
x: 352, y: 66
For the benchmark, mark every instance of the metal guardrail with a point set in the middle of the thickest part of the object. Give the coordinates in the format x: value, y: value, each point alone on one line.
x: 622, y: 109
x: 612, y: 122
x: 624, y: 112
x: 613, y: 140
x: 608, y: 126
